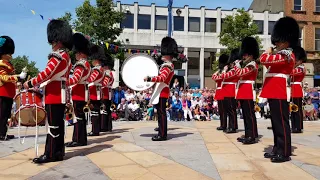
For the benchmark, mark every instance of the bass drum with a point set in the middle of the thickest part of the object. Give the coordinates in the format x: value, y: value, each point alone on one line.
x: 135, y: 68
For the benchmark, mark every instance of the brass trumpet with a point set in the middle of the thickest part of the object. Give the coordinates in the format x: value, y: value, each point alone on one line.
x: 113, y: 107
x: 293, y: 107
x: 102, y: 107
x: 257, y: 108
x: 87, y: 108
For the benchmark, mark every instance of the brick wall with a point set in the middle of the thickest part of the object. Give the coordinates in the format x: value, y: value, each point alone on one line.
x: 307, y: 19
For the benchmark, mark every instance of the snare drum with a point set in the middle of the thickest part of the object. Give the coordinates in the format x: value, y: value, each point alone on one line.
x: 27, y: 102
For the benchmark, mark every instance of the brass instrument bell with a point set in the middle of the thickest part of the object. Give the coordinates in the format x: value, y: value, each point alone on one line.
x: 102, y: 107
x: 257, y: 108
x: 293, y: 107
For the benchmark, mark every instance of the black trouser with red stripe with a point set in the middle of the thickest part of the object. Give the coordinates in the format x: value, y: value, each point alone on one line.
x: 80, y: 127
x: 95, y: 116
x: 162, y: 117
x: 297, y: 117
x: 249, y: 118
x: 230, y: 107
x: 222, y: 114
x: 55, y: 145
x: 106, y: 121
x: 5, y: 112
x: 279, y: 109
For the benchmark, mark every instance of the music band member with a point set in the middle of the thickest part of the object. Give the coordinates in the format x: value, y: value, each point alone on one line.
x: 285, y: 36
x: 297, y: 94
x: 54, y: 78
x: 229, y: 82
x: 79, y: 89
x: 7, y: 84
x: 249, y: 52
x: 223, y: 60
x: 169, y: 50
x: 106, y: 119
x: 95, y: 80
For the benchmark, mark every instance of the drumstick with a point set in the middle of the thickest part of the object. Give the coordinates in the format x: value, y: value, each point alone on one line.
x: 28, y: 78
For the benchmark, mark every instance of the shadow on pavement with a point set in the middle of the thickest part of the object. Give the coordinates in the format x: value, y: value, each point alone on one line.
x: 170, y: 136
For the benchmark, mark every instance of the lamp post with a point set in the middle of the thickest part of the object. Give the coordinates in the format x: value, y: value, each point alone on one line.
x: 170, y: 18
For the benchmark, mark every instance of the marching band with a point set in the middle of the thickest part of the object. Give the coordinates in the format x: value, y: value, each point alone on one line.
x: 88, y: 90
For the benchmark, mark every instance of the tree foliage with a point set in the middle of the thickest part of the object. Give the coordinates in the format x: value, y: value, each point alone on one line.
x: 20, y: 62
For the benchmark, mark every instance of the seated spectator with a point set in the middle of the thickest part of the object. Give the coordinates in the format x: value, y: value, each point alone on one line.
x: 150, y: 112
x: 129, y: 95
x: 118, y: 94
x: 176, y: 109
x: 195, y: 102
x: 121, y: 109
x: 186, y: 105
x: 205, y: 112
x: 197, y: 112
x: 309, y: 111
x: 197, y: 93
x: 169, y: 108
x: 133, y: 111
x: 176, y: 85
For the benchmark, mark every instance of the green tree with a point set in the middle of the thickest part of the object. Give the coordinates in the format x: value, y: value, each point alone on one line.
x: 20, y: 62
x: 67, y: 17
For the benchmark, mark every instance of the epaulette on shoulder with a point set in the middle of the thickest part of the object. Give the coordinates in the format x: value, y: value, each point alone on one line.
x: 3, y: 64
x: 167, y: 64
x: 55, y: 55
x: 81, y: 63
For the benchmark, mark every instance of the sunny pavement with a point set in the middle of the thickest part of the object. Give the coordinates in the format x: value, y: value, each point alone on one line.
x: 195, y: 150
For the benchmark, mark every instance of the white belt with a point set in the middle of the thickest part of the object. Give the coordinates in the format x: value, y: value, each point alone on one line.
x: 229, y: 83
x: 300, y: 83
x: 277, y: 75
x: 219, y: 87
x: 82, y: 83
x: 246, y: 82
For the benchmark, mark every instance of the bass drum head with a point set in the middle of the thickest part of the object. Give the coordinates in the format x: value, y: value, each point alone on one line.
x: 28, y: 116
x: 136, y: 68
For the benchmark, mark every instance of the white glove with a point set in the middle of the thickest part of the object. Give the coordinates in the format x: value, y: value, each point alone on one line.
x: 238, y: 64
x: 225, y: 69
x: 23, y: 75
x: 91, y: 84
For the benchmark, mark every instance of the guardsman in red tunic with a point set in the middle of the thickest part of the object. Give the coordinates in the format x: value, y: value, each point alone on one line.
x: 169, y: 50
x: 229, y: 82
x: 285, y: 36
x: 96, y: 78
x: 297, y: 94
x: 249, y: 52
x: 54, y: 80
x: 223, y: 60
x: 7, y: 84
x: 106, y: 120
x: 79, y: 89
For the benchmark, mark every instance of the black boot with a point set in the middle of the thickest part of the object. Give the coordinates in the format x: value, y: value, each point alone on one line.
x: 269, y: 155
x: 46, y: 159
x: 220, y: 128
x: 92, y: 134
x: 249, y: 140
x: 240, y: 139
x: 231, y: 131
x: 159, y: 138
x: 156, y: 129
x: 280, y: 158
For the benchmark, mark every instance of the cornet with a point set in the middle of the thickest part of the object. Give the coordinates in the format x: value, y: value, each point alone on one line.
x: 257, y: 108
x: 87, y: 108
x: 102, y: 107
x: 113, y: 107
x: 293, y: 107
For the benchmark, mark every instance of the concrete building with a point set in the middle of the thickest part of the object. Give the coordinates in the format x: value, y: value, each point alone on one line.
x: 307, y: 13
x: 196, y: 31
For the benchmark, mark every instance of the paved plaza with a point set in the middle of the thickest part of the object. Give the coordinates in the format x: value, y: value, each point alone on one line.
x: 195, y: 150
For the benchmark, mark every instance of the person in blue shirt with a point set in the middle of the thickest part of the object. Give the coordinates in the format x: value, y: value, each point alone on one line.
x: 118, y: 95
x: 176, y: 109
x: 196, y: 94
x: 314, y: 95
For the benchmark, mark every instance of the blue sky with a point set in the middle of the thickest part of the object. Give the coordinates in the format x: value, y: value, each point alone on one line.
x: 29, y: 31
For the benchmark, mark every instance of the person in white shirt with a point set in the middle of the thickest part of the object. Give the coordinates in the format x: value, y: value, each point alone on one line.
x: 133, y: 111
x: 197, y: 101
x: 121, y: 109
x: 129, y: 95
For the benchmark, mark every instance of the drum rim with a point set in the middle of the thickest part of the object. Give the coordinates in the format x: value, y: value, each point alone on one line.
x: 137, y: 55
x: 29, y: 90
x: 23, y: 107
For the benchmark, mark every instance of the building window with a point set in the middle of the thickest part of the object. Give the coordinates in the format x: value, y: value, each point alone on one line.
x: 194, y: 24
x: 301, y: 36
x: 178, y: 23
x: 317, y: 39
x: 161, y: 23
x: 270, y: 26
x: 210, y: 24
x: 128, y: 21
x: 297, y: 5
x: 259, y: 23
x: 144, y: 21
x: 317, y: 5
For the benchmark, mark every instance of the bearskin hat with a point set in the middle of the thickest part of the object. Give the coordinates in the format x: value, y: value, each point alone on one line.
x: 109, y: 61
x: 249, y: 46
x: 234, y: 55
x: 97, y: 53
x: 300, y: 54
x: 286, y: 29
x: 6, y: 45
x: 223, y: 60
x: 169, y: 47
x: 81, y: 44
x: 60, y: 31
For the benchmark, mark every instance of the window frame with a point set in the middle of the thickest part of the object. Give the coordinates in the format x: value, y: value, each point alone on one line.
x: 298, y: 5
x: 155, y: 19
x: 121, y: 24
x: 190, y: 21
x: 146, y: 15
x: 174, y: 26
x: 262, y: 30
x: 316, y: 6
x: 205, y: 25
x: 315, y: 39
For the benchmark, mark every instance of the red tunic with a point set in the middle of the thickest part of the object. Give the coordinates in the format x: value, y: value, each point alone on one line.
x: 219, y: 92
x: 8, y: 81
x: 96, y: 77
x: 165, y: 76
x: 297, y: 75
x: 78, y: 82
x: 107, y: 84
x: 248, y: 76
x: 56, y: 75
x: 280, y: 67
x: 229, y: 83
